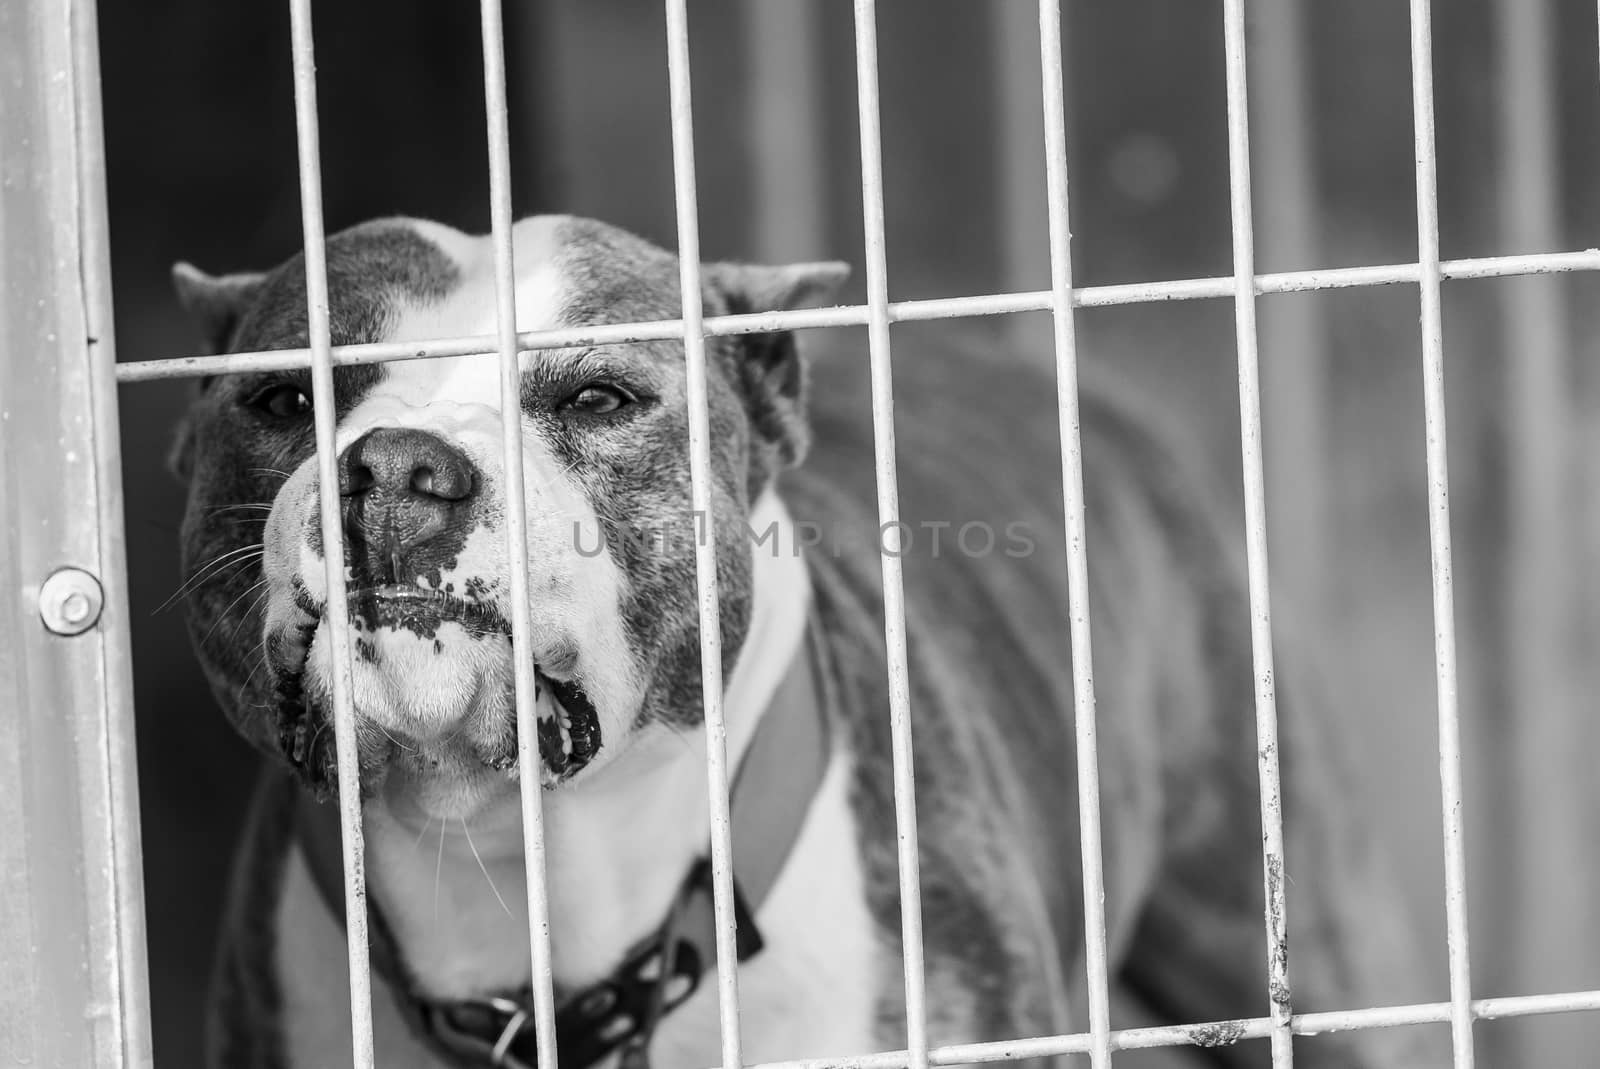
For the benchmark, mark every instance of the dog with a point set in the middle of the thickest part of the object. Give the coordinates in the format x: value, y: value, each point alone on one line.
x: 610, y: 541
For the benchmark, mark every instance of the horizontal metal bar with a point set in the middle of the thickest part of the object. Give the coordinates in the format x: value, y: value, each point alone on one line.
x: 1215, y: 1033
x: 859, y: 315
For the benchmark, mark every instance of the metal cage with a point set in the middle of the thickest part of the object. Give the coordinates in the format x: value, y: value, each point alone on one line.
x: 71, y: 911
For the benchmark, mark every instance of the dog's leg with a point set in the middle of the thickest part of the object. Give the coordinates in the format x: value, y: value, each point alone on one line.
x: 1200, y: 951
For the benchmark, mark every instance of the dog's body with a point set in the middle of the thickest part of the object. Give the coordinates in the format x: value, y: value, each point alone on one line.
x: 991, y: 692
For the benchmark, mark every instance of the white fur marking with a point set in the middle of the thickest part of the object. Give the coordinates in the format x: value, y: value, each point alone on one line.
x: 617, y: 847
x: 578, y: 597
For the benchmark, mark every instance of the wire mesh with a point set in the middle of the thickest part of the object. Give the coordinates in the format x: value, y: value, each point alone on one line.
x: 877, y: 315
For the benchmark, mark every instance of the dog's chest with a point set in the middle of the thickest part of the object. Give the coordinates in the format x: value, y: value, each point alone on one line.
x: 812, y: 992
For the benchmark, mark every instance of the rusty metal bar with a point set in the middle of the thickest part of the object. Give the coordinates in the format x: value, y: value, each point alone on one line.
x: 1214, y: 1034
x: 1274, y: 876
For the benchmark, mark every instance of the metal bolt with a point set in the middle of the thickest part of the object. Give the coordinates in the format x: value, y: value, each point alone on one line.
x: 70, y: 601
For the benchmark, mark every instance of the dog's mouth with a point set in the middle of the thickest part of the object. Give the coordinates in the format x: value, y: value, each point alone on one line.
x: 568, y: 734
x: 421, y: 611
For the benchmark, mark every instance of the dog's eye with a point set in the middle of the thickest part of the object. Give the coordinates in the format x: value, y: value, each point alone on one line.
x: 596, y: 399
x: 284, y: 401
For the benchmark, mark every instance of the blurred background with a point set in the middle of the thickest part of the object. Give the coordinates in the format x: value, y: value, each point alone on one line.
x: 200, y: 135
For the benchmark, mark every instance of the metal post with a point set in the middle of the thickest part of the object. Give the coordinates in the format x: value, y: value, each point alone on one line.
x: 73, y: 982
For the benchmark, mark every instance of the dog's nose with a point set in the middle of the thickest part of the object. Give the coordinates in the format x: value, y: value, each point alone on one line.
x: 402, y: 488
x: 402, y: 461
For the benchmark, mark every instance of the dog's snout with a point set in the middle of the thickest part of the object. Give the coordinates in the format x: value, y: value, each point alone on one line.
x: 403, y: 461
x: 402, y: 489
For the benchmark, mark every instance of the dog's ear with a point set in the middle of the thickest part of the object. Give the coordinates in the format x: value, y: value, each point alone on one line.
x: 760, y: 288
x: 180, y: 456
x: 216, y: 303
x: 770, y: 373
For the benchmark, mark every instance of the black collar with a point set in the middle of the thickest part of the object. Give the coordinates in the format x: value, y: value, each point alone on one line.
x: 770, y: 798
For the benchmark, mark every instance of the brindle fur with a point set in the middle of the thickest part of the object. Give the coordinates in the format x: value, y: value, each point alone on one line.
x: 988, y: 646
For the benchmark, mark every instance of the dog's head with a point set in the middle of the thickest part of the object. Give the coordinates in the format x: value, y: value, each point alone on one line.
x: 420, y: 460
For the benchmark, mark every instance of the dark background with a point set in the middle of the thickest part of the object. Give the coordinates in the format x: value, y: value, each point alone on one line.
x: 201, y: 149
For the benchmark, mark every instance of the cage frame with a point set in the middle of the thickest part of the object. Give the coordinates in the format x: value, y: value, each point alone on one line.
x: 95, y: 805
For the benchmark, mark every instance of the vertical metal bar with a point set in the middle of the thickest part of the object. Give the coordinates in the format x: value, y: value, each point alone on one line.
x: 74, y: 984
x: 1256, y: 534
x: 1294, y: 330
x: 1444, y: 625
x: 894, y: 606
x: 126, y: 916
x: 1066, y: 348
x: 783, y: 87
x: 1552, y: 900
x: 337, y: 614
x: 529, y: 763
x: 705, y: 558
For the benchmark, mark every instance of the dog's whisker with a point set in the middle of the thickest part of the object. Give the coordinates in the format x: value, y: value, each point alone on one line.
x: 221, y: 558
x: 254, y: 605
x: 438, y: 870
x: 397, y: 742
x: 317, y: 735
x: 484, y: 868
x: 263, y: 506
x: 244, y: 690
x: 223, y: 615
x: 195, y: 584
x: 269, y: 471
x: 209, y: 570
x: 426, y: 824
